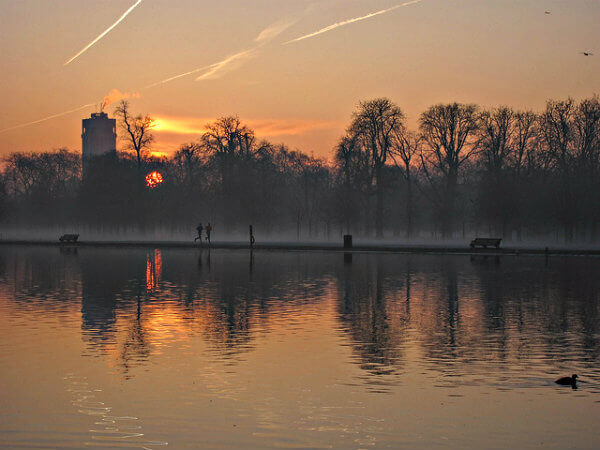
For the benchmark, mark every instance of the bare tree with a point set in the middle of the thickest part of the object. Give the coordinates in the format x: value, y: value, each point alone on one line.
x: 187, y: 160
x: 570, y: 134
x: 354, y: 180
x: 448, y: 132
x: 586, y: 125
x: 524, y: 163
x: 587, y: 134
x: 136, y: 130
x: 496, y: 134
x: 374, y: 124
x: 496, y: 129
x: 531, y: 173
x: 558, y: 136
x: 406, y: 146
x: 49, y: 174
x: 228, y: 137
x: 231, y: 146
x: 525, y: 139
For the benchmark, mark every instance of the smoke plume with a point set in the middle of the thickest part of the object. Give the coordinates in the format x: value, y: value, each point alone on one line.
x: 115, y: 95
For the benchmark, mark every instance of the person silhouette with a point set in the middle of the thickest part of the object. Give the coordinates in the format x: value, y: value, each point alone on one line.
x: 208, y: 230
x: 199, y: 229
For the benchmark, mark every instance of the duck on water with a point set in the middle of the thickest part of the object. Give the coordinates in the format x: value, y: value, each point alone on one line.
x: 567, y: 381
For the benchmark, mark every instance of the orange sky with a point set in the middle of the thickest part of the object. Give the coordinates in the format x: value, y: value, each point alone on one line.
x: 238, y: 59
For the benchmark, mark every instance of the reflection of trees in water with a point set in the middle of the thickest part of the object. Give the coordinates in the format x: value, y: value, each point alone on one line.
x: 105, y: 277
x: 234, y: 300
x: 514, y: 311
x: 135, y: 348
x: 61, y: 282
x: 374, y: 314
x: 448, y: 313
x: 457, y: 311
x: 451, y: 309
x: 561, y: 301
x: 40, y: 280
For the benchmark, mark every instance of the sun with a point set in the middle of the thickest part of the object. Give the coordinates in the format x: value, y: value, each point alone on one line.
x: 154, y: 179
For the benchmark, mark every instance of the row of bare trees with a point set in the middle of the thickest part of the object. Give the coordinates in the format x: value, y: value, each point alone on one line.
x: 502, y: 170
x: 465, y: 170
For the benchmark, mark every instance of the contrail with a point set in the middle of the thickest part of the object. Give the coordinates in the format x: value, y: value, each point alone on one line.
x: 222, y: 65
x: 266, y: 35
x: 84, y: 49
x: 48, y: 118
x: 181, y: 75
x: 274, y: 30
x: 348, y: 22
x: 212, y: 70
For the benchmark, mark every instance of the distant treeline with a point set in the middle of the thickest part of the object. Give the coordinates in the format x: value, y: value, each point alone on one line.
x: 466, y: 171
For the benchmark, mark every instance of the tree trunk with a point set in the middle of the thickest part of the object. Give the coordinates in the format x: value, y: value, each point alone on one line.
x: 379, y: 205
x: 408, y: 208
x: 448, y: 207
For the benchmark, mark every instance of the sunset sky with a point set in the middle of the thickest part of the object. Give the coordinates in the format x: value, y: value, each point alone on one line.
x: 243, y: 57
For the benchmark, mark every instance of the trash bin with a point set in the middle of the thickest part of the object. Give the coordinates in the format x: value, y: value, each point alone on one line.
x: 347, y: 241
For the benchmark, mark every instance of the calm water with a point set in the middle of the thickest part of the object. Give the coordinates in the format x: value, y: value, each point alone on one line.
x: 111, y: 348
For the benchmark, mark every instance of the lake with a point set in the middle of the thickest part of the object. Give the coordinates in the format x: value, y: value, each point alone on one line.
x: 183, y: 349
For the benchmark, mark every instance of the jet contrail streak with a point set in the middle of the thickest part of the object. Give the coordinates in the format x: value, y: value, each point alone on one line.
x: 212, y: 70
x: 84, y: 49
x: 158, y: 83
x: 48, y: 118
x: 274, y: 30
x: 221, y: 65
x: 348, y: 22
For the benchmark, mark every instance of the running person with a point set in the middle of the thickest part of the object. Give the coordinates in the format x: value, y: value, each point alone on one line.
x: 208, y: 230
x: 199, y: 229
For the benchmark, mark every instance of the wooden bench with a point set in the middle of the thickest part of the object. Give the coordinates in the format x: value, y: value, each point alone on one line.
x: 69, y: 238
x: 485, y: 242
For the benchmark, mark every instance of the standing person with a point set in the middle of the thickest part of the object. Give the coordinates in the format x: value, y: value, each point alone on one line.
x: 199, y: 229
x: 208, y: 230
x: 252, y: 240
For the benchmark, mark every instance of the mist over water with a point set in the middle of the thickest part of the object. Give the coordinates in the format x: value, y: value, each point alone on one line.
x: 187, y: 234
x: 138, y: 348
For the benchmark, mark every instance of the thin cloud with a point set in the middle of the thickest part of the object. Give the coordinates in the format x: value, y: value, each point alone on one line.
x: 262, y: 127
x: 49, y: 117
x: 274, y: 30
x: 226, y: 65
x: 350, y: 21
x: 215, y: 70
x: 288, y: 127
x: 104, y: 33
x: 181, y: 75
x: 212, y: 71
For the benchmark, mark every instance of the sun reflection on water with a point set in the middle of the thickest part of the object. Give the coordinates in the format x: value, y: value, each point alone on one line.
x: 153, y: 270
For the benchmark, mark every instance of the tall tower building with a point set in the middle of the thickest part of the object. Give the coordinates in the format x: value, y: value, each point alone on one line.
x: 98, y: 136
